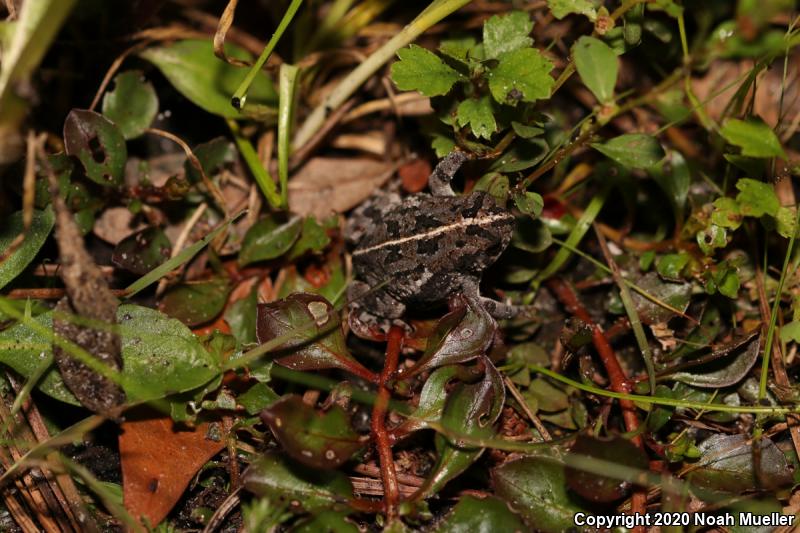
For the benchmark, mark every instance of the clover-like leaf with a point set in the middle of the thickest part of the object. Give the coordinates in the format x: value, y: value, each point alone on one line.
x: 754, y: 137
x: 597, y: 65
x: 562, y: 8
x: 314, y: 337
x: 521, y: 75
x: 98, y: 144
x: 422, y: 70
x: 505, y: 33
x: 478, y: 113
x: 319, y: 440
x: 756, y: 198
x: 132, y: 104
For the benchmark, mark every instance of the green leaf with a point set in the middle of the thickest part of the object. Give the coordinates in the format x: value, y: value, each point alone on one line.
x: 756, y: 198
x: 677, y: 295
x: 724, y: 371
x: 132, y: 105
x: 634, y: 150
x: 13, y: 265
x: 727, y: 213
x: 505, y: 33
x: 754, y: 137
x: 193, y: 69
x: 459, y: 48
x: 98, y: 144
x: 311, y: 488
x: 473, y: 514
x: 616, y: 450
x: 268, y: 239
x: 791, y: 331
x: 143, y: 251
x: 537, y: 490
x: 521, y: 75
x: 212, y: 155
x: 530, y: 203
x: 598, y: 66
x: 422, y: 70
x: 256, y: 398
x: 670, y: 266
x: 196, y: 302
x: 478, y: 113
x: 319, y: 440
x: 241, y: 317
x: 329, y: 522
x: 711, y: 238
x: 562, y: 8
x: 160, y: 355
x: 313, y: 237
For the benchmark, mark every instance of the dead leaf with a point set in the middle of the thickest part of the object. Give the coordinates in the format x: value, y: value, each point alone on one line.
x: 115, y: 224
x: 88, y: 296
x: 328, y: 185
x: 414, y: 175
x: 158, y: 462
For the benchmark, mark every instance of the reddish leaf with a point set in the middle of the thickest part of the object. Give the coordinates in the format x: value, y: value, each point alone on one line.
x: 319, y: 440
x: 316, y: 342
x: 461, y: 335
x: 158, y: 462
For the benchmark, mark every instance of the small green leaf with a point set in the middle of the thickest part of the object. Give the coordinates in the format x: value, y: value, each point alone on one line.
x: 791, y: 332
x: 313, y: 237
x: 457, y: 48
x: 132, y: 104
x: 521, y: 75
x: 473, y: 514
x: 13, y: 265
x: 478, y: 113
x: 723, y: 371
x: 143, y: 251
x: 670, y: 266
x: 726, y: 213
x: 268, y: 239
x: 241, y: 317
x: 98, y: 144
x: 196, y: 302
x: 562, y: 8
x: 756, y: 198
x: 212, y: 155
x: 711, y: 238
x: 634, y: 150
x: 785, y: 221
x: 256, y: 398
x: 537, y: 490
x: 207, y: 81
x: 754, y: 137
x: 597, y: 488
x: 505, y: 33
x: 677, y: 295
x: 525, y: 131
x: 422, y: 70
x: 319, y: 440
x: 530, y: 203
x: 275, y: 476
x: 597, y: 65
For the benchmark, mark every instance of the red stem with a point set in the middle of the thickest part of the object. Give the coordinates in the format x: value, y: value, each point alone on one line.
x: 619, y: 381
x: 383, y: 441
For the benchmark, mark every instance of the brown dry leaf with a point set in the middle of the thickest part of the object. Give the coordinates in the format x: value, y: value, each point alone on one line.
x: 730, y: 75
x: 158, y: 462
x: 414, y: 175
x: 88, y: 296
x: 115, y: 224
x: 328, y: 185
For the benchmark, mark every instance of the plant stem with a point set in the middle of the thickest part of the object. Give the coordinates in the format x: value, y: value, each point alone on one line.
x: 239, y: 97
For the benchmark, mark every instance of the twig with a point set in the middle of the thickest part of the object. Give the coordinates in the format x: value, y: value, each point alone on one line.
x: 181, y: 240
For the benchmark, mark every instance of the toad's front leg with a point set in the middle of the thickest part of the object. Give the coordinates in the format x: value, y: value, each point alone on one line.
x: 442, y: 175
x: 374, y: 306
x: 498, y: 310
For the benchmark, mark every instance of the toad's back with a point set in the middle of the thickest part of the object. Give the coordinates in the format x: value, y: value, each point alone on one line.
x: 422, y: 249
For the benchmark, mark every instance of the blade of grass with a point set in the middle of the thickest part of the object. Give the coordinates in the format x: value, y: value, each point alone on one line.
x: 173, y: 263
x: 261, y: 174
x: 436, y: 11
x: 287, y: 84
x: 240, y: 95
x: 575, y: 236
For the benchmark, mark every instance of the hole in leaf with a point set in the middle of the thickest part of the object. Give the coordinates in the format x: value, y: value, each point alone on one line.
x: 98, y: 153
